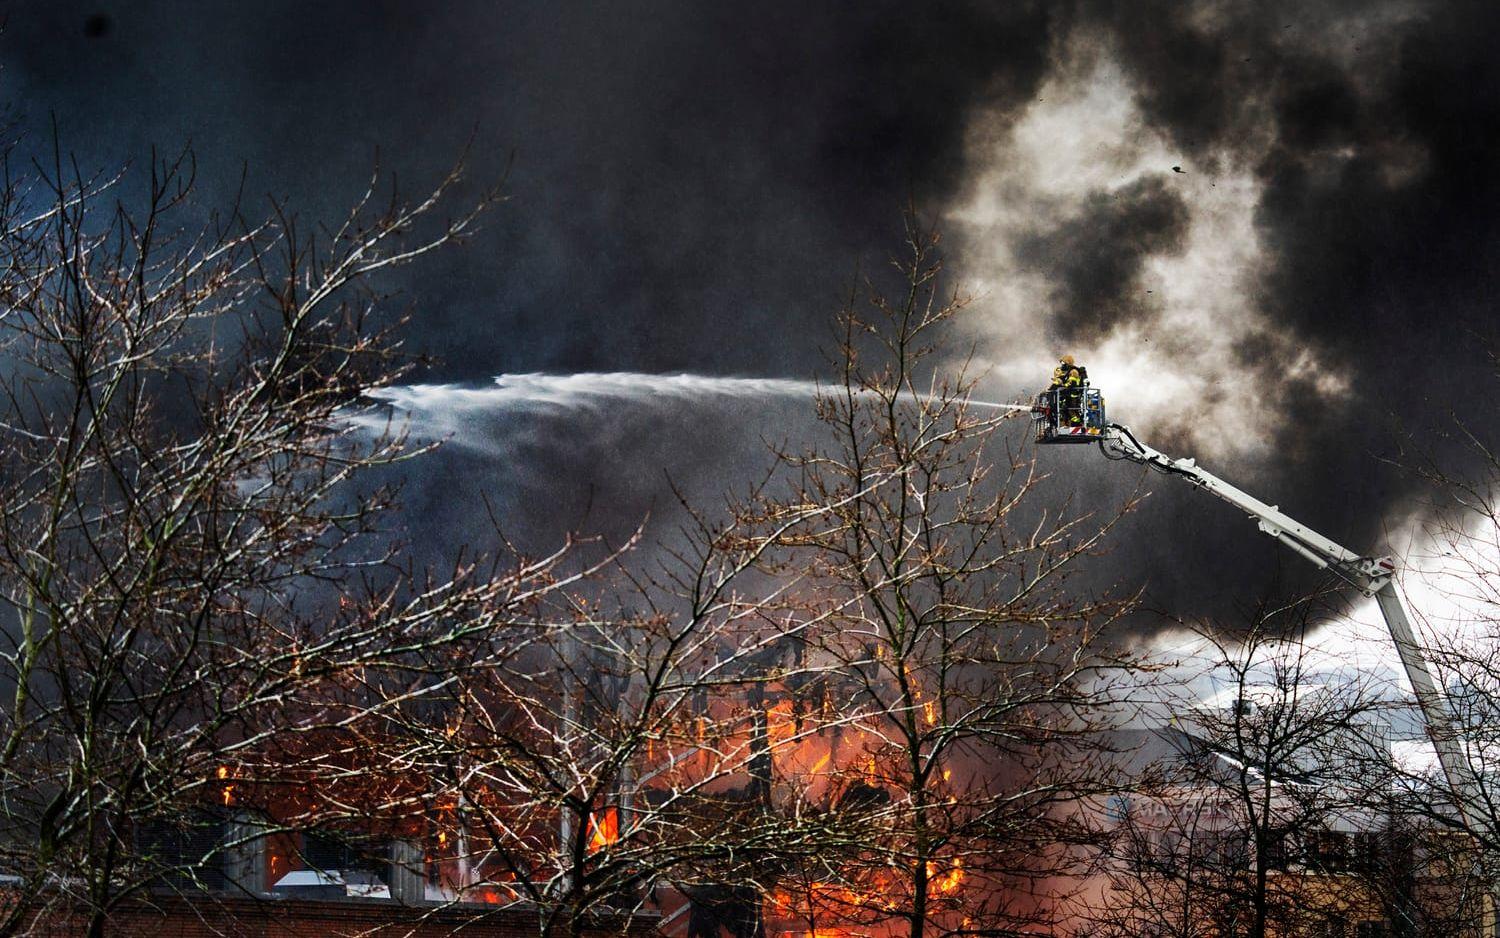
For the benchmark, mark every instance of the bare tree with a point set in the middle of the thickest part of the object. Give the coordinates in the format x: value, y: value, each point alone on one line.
x: 961, y: 669
x: 196, y: 584
x: 1256, y: 817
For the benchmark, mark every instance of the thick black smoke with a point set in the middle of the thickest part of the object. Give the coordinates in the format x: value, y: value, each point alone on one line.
x: 1094, y: 256
x: 1373, y: 132
x: 694, y: 183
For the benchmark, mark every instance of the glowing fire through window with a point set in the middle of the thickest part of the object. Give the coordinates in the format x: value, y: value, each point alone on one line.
x: 604, y: 828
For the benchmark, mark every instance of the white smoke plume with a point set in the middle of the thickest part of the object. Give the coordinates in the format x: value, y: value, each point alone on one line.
x: 1184, y: 350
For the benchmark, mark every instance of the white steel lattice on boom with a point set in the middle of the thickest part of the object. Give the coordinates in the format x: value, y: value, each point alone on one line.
x: 1077, y: 416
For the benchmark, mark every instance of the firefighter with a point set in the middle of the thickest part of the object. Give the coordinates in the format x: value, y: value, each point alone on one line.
x: 1069, y: 373
x: 1070, y: 378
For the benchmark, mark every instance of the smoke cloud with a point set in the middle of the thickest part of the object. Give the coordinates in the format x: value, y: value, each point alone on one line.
x: 1257, y: 226
x: 1268, y: 229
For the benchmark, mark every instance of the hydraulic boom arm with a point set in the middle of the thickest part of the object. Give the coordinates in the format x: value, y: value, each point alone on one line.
x: 1374, y: 576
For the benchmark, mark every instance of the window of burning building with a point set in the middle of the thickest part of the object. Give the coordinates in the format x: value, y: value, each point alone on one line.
x: 332, y: 850
x: 1330, y: 851
x: 1333, y: 925
x: 336, y: 864
x: 184, y: 852
x: 1282, y: 849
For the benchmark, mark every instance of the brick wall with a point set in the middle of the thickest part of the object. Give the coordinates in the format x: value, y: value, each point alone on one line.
x: 176, y: 917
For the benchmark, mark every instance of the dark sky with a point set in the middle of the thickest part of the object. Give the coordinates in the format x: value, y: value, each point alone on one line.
x: 694, y: 184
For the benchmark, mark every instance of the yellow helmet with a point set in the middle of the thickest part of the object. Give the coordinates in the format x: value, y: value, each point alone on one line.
x: 1067, y: 359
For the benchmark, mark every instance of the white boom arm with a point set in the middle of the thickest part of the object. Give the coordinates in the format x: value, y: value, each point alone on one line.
x: 1374, y: 576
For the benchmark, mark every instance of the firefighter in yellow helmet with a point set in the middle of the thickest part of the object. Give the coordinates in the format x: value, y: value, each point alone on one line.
x: 1070, y: 378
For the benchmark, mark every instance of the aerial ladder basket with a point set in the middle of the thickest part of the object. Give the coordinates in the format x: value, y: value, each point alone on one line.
x: 1069, y: 415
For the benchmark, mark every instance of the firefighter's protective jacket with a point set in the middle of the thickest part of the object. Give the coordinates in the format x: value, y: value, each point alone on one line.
x: 1069, y: 376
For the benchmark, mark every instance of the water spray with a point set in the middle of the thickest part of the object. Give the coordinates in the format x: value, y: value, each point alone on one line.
x: 591, y: 390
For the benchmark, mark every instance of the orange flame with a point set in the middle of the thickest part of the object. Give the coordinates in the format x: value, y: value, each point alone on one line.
x: 491, y: 894
x: 605, y: 826
x: 947, y: 883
